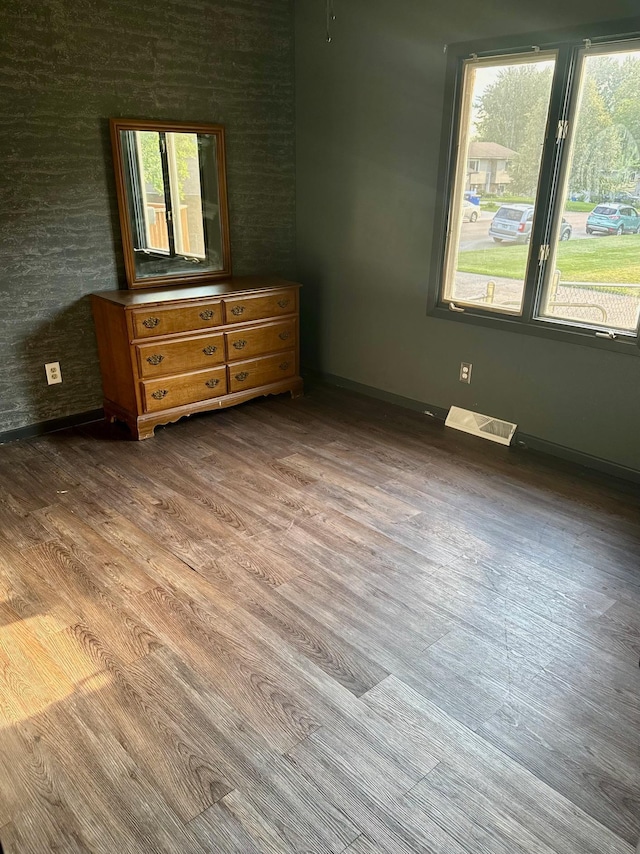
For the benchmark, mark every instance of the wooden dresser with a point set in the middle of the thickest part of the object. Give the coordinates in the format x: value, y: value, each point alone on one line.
x: 169, y: 352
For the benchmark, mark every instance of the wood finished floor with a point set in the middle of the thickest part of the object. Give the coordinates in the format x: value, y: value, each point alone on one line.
x: 324, y: 625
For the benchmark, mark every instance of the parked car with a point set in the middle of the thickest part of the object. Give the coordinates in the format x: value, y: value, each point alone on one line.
x: 613, y: 218
x: 513, y: 223
x: 470, y: 211
x: 626, y: 198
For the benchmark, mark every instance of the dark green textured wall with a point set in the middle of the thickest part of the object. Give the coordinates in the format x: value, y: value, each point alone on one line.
x: 369, y: 109
x: 66, y: 66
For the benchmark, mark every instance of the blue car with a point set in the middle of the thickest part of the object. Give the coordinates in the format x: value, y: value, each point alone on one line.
x: 613, y: 218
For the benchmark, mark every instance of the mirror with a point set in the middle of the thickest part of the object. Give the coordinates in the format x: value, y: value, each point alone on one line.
x: 172, y: 200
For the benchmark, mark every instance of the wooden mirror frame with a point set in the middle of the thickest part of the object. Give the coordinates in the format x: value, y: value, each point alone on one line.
x: 133, y: 281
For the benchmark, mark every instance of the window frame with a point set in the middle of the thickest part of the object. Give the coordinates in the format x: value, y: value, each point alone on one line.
x: 569, y: 45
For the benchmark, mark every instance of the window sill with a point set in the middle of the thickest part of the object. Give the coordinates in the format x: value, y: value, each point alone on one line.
x: 625, y: 345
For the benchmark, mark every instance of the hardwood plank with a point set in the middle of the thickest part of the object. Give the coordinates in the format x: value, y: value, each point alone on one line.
x: 92, y: 600
x: 36, y: 789
x: 283, y: 812
x: 365, y: 622
x: 559, y: 823
x: 241, y: 672
x: 219, y: 829
x: 363, y: 845
x: 366, y: 801
x: 108, y: 564
x: 18, y: 525
x: 348, y: 666
x: 595, y: 773
x: 28, y: 596
x: 347, y: 494
x: 101, y: 781
x: 468, y: 675
x: 562, y: 599
x: 29, y: 677
x: 476, y: 822
x: 160, y: 563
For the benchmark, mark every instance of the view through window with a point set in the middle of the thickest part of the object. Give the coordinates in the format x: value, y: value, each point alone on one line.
x: 585, y: 271
x: 502, y: 130
x: 594, y: 277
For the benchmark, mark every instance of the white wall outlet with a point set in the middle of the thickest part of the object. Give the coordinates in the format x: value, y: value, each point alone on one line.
x: 53, y: 372
x: 465, y: 372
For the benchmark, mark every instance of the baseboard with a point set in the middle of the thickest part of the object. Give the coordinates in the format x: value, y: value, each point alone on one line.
x: 522, y: 441
x: 531, y: 443
x: 377, y: 393
x: 51, y: 426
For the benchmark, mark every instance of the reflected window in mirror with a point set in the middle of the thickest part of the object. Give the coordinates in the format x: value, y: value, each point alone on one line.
x: 172, y: 204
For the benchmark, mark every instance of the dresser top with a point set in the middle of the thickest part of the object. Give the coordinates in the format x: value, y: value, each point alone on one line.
x: 239, y: 284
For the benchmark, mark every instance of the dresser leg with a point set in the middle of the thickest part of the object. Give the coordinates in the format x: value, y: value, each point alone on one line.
x: 298, y: 391
x: 143, y: 431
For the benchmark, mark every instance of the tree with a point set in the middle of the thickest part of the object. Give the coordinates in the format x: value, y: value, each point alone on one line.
x: 505, y: 108
x: 512, y: 111
x: 626, y: 112
x: 186, y: 148
x: 605, y: 73
x: 596, y: 148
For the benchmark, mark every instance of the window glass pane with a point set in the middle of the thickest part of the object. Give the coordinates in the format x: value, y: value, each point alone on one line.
x: 503, y: 119
x: 152, y: 191
x: 593, y: 276
x: 186, y: 193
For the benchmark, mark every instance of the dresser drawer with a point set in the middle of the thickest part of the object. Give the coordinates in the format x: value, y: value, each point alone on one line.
x: 242, y: 343
x: 239, y: 309
x: 263, y: 371
x: 148, y: 322
x: 187, y: 388
x: 177, y: 357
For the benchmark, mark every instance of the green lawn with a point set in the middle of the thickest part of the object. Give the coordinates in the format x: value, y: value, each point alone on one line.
x: 601, y: 260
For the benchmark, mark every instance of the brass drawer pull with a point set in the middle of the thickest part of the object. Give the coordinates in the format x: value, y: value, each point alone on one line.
x: 283, y: 303
x: 242, y: 376
x: 240, y: 344
x: 284, y: 365
x: 155, y: 360
x: 212, y: 383
x: 209, y: 350
x: 237, y: 310
x: 207, y: 314
x: 160, y: 393
x: 284, y: 335
x: 151, y: 322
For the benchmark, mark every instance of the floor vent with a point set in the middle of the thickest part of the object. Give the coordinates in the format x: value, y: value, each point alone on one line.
x: 481, y: 425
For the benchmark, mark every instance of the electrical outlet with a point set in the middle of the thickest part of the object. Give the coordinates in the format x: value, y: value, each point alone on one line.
x: 53, y: 372
x: 465, y: 372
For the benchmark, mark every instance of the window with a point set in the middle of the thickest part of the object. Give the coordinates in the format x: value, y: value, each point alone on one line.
x: 555, y: 246
x: 167, y: 194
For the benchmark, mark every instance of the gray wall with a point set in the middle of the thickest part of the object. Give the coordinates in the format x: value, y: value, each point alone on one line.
x: 369, y: 111
x: 66, y: 66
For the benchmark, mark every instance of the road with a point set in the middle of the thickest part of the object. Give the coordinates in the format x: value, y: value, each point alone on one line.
x: 475, y: 235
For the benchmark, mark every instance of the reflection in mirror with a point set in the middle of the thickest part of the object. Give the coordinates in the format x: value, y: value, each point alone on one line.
x: 175, y: 221
x: 173, y: 205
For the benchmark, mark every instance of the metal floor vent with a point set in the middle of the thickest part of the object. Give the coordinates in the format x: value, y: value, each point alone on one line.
x: 481, y: 425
